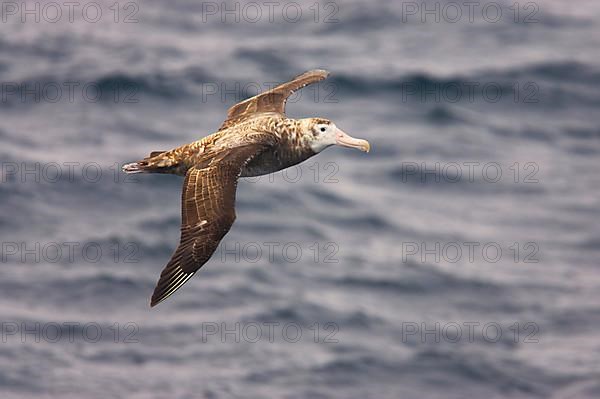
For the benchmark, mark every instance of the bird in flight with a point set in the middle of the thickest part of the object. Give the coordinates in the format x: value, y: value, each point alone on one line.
x: 256, y: 139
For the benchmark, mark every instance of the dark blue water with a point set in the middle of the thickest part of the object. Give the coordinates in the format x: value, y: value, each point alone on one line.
x: 459, y: 259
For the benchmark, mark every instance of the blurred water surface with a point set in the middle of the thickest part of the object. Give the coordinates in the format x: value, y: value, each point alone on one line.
x: 485, y: 136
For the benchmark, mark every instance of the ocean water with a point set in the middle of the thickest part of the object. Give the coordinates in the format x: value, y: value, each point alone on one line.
x: 458, y: 259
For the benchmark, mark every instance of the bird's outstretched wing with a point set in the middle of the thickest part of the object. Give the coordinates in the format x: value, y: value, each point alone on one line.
x: 207, y: 209
x: 272, y: 100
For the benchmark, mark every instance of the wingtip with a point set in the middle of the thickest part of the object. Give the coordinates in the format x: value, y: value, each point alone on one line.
x: 155, y: 301
x: 168, y: 284
x: 323, y: 73
x: 157, y: 298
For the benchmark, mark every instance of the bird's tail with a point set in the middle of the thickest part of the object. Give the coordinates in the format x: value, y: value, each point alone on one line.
x: 154, y: 163
x: 134, y: 167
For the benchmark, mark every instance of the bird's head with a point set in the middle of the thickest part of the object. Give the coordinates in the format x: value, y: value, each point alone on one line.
x: 321, y: 133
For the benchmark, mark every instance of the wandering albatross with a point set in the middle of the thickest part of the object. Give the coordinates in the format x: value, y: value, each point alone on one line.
x: 256, y: 139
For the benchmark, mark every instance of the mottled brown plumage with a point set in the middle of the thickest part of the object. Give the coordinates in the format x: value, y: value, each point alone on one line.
x: 255, y: 139
x: 273, y: 100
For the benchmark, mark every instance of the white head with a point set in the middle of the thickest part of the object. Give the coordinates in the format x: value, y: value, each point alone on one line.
x: 322, y: 133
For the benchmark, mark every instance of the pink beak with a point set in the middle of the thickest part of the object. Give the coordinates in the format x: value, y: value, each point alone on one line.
x: 346, y: 140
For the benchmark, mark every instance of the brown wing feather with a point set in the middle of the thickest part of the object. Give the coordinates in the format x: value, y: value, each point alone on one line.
x: 272, y: 100
x: 207, y: 208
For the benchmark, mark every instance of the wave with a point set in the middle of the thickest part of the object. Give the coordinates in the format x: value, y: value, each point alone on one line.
x: 474, y: 367
x: 422, y: 280
x: 454, y: 177
x: 538, y: 85
x: 549, y: 83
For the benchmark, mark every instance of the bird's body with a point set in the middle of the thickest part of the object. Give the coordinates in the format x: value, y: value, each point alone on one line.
x: 287, y: 147
x: 256, y: 139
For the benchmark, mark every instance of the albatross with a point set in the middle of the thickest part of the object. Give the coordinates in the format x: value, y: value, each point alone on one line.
x: 257, y: 138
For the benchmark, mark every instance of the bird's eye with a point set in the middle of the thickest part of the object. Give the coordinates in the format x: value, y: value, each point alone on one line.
x: 323, y: 129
